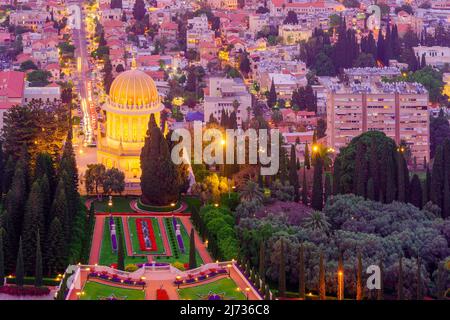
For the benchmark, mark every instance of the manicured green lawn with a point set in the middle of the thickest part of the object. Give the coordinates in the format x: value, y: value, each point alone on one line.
x: 120, y: 204
x: 135, y: 240
x: 224, y: 286
x: 107, y: 256
x: 99, y: 291
x: 194, y: 203
x: 182, y: 257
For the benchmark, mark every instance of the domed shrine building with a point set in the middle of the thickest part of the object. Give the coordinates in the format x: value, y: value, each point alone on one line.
x: 133, y: 97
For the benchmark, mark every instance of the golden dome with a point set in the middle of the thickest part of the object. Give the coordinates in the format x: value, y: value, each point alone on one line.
x: 134, y: 88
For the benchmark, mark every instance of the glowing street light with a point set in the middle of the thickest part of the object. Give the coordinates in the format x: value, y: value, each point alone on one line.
x: 247, y: 291
x: 178, y: 281
x: 340, y: 285
x: 229, y: 269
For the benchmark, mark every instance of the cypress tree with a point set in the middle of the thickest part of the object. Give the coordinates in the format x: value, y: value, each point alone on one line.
x: 423, y: 62
x: 391, y: 189
x: 34, y: 221
x: 328, y: 193
x: 307, y: 157
x: 20, y: 273
x: 360, y: 172
x: 59, y: 209
x: 262, y: 260
x: 304, y: 188
x: 272, y: 96
x: 322, y: 289
x: 371, y: 190
x: 157, y: 165
x: 8, y: 173
x: 267, y: 293
x: 380, y: 295
x: 380, y: 47
x: 336, y: 176
x: 317, y: 192
x: 38, y: 263
x: 416, y: 192
x: 2, y: 258
x: 419, y: 279
x: 402, y: 178
x: 55, y: 260
x: 120, y: 248
x: 437, y: 177
x: 192, y: 258
x: 46, y: 200
x: 446, y: 200
x: 293, y: 175
x: 44, y: 166
x: 400, y: 280
x: 427, y: 187
x: 282, y: 272
x: 374, y: 168
x: 359, y: 286
x: 301, y: 273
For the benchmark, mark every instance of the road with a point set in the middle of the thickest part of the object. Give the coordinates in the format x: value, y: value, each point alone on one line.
x: 84, y: 85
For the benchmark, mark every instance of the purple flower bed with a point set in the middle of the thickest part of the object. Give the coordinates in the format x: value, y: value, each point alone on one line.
x: 149, y: 264
x: 115, y: 278
x: 201, y: 277
x: 179, y: 238
x: 112, y: 227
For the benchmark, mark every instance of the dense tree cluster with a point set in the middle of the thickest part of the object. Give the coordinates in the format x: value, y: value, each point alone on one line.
x: 354, y: 227
x: 43, y: 222
x: 157, y: 165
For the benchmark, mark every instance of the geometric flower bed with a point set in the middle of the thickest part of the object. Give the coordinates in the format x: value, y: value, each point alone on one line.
x: 112, y: 231
x: 115, y: 278
x: 201, y: 276
x: 146, y: 235
x: 178, y: 234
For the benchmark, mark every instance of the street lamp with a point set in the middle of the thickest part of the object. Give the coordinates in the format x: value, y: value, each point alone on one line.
x: 110, y: 204
x: 340, y: 285
x: 229, y: 269
x: 247, y: 291
x: 178, y: 281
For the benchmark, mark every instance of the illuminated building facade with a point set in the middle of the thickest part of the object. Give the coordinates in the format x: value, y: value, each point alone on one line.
x: 133, y: 97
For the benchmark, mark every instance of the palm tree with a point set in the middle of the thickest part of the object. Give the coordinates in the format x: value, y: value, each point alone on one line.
x: 251, y: 192
x: 317, y: 220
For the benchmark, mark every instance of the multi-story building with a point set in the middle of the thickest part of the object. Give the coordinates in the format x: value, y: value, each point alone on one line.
x: 294, y: 33
x: 282, y: 7
x: 223, y: 4
x: 223, y: 92
x: 32, y: 19
x: 434, y: 56
x: 198, y: 31
x: 257, y: 22
x: 400, y: 110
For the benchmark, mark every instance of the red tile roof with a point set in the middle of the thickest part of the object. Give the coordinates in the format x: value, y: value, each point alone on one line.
x: 12, y: 84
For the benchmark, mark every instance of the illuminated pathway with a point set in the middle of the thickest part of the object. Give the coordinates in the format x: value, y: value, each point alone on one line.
x: 84, y: 85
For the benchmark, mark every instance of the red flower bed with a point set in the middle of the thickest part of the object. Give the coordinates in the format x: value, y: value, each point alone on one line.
x: 161, y: 294
x: 24, y: 291
x: 140, y: 234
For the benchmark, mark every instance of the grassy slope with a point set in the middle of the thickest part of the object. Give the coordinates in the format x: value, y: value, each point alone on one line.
x: 94, y: 290
x: 223, y: 286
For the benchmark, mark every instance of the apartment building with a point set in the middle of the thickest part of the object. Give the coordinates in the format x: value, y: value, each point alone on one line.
x: 221, y: 95
x: 32, y: 19
x: 400, y: 110
x: 434, y: 56
x: 198, y: 31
